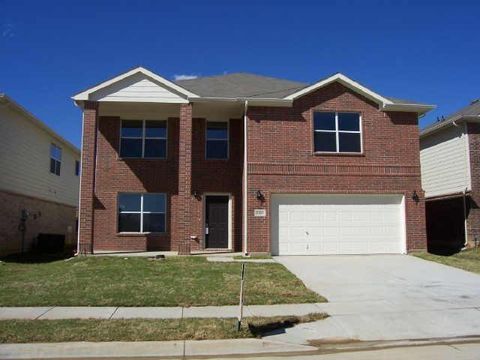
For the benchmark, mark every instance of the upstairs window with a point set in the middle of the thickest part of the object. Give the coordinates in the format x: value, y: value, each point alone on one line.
x: 337, y: 132
x: 55, y: 159
x: 77, y: 167
x: 141, y: 213
x: 143, y: 139
x: 217, y: 140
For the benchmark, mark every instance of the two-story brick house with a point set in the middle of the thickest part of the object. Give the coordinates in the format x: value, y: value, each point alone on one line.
x: 249, y: 163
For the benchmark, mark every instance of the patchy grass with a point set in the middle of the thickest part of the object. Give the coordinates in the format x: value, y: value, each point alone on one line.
x: 29, y: 331
x: 468, y: 260
x: 118, y: 281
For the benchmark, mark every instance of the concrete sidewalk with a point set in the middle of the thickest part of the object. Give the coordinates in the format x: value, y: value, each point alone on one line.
x: 86, y: 312
x: 141, y: 349
x: 465, y: 349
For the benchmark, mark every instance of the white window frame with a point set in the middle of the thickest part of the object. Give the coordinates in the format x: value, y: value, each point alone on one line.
x: 141, y: 212
x: 143, y: 138
x: 337, y: 132
x: 207, y: 140
x: 59, y: 160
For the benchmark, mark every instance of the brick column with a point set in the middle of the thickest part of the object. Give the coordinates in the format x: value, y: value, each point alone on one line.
x: 87, y: 179
x: 184, y: 174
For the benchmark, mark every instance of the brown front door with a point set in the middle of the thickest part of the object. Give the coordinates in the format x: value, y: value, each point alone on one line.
x: 216, y: 222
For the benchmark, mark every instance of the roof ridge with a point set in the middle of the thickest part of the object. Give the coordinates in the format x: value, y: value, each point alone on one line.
x: 243, y: 73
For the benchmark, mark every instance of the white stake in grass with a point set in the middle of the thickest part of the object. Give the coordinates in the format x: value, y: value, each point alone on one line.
x: 240, y: 315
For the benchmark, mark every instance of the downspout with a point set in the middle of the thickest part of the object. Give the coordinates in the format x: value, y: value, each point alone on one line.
x: 465, y: 217
x: 245, y: 179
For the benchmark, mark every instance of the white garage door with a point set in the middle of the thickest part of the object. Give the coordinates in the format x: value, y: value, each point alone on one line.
x: 314, y: 224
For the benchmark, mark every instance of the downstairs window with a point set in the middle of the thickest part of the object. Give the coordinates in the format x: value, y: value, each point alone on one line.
x: 141, y: 213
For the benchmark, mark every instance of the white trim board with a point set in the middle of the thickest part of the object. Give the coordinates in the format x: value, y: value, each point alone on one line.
x: 344, y: 80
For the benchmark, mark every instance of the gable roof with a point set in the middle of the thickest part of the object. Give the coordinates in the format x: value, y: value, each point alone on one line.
x: 470, y: 112
x: 5, y: 99
x: 258, y: 89
x: 85, y: 95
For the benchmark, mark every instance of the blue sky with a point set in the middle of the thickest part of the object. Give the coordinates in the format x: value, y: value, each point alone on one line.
x: 422, y: 50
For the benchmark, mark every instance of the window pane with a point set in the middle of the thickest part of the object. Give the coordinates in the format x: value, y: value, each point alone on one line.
x: 324, y: 120
x: 217, y: 149
x: 52, y: 166
x: 129, y: 202
x: 131, y: 148
x: 156, y: 129
x: 154, y: 222
x: 132, y: 128
x: 325, y: 141
x: 128, y: 222
x: 55, y: 152
x: 57, y: 167
x: 154, y: 202
x: 349, y: 142
x: 217, y: 130
x: 349, y: 121
x: 155, y: 148
x: 77, y: 167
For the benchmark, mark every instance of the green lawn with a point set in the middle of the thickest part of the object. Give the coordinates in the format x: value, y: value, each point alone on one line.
x: 467, y: 260
x: 28, y: 331
x: 118, y: 281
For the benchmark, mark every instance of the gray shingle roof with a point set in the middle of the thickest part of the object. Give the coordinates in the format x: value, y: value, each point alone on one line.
x: 473, y: 109
x: 241, y: 85
x: 403, y: 101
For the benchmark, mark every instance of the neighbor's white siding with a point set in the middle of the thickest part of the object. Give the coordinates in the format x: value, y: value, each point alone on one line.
x: 444, y: 162
x: 25, y: 161
x: 137, y: 88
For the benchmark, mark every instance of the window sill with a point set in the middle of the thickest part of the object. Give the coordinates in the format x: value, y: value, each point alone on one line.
x: 137, y: 234
x: 320, y: 153
x: 140, y: 158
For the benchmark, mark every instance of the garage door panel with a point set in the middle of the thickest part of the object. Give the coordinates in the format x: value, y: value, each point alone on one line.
x: 337, y: 224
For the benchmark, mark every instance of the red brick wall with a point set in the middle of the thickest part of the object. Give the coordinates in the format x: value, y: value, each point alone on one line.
x: 116, y: 175
x: 87, y: 179
x: 281, y: 158
x: 473, y: 222
x: 218, y: 176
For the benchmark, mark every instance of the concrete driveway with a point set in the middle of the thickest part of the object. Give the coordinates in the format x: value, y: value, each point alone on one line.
x: 386, y: 297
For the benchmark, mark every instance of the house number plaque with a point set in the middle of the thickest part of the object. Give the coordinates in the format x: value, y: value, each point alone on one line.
x: 259, y: 212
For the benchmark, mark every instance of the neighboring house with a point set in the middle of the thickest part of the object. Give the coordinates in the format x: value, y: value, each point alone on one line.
x: 326, y: 168
x: 450, y: 159
x: 39, y: 180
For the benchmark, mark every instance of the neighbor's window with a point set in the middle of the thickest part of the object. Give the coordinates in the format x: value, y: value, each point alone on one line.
x: 55, y: 159
x: 217, y: 140
x: 143, y: 139
x: 337, y: 132
x: 141, y: 213
x: 77, y: 167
